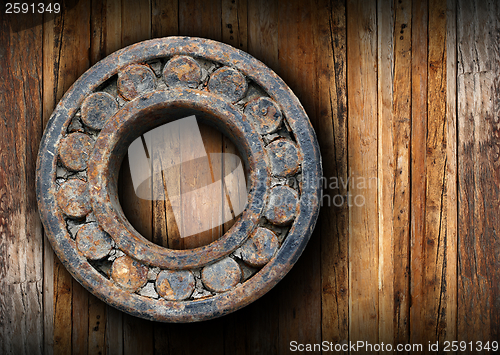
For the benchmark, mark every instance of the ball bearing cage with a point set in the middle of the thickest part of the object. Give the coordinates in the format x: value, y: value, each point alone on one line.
x: 77, y: 194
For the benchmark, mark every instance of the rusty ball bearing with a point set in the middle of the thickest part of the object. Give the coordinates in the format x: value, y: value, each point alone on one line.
x: 130, y: 92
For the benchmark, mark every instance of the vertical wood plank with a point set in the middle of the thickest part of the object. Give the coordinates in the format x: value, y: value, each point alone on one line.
x: 165, y: 18
x: 196, y: 173
x: 263, y: 32
x: 234, y: 23
x: 105, y: 322
x: 253, y: 329
x: 436, y: 252
x: 136, y: 21
x: 66, y: 57
x: 200, y: 19
x: 331, y: 129
x: 418, y: 156
x: 430, y: 253
x: 136, y: 27
x: 401, y: 131
x: 79, y: 319
x: 106, y: 27
x: 97, y: 325
x: 164, y: 22
x: 50, y: 84
x: 387, y: 149
x: 114, y: 331
x: 300, y: 306
x: 362, y: 148
x: 478, y: 87
x: 234, y: 32
x: 159, y: 193
x: 137, y: 336
x: 452, y: 173
x: 21, y: 238
x: 203, y: 20
x: 394, y: 78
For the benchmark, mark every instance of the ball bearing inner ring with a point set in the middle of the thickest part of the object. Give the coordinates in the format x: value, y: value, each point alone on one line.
x: 145, y: 113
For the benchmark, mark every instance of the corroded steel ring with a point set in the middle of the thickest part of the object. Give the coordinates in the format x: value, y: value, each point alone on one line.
x: 111, y: 146
x: 123, y: 96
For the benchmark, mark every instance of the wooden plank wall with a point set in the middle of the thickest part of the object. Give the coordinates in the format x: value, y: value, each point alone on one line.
x: 405, y: 99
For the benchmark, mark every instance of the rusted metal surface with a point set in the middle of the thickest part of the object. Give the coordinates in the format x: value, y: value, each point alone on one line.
x: 135, y: 80
x: 265, y: 113
x: 260, y: 247
x: 73, y: 198
x: 284, y: 157
x: 222, y: 275
x: 129, y: 273
x: 75, y: 150
x: 147, y: 101
x: 229, y: 83
x: 139, y: 116
x: 93, y: 242
x: 97, y: 109
x: 182, y: 70
x: 175, y: 285
x: 283, y: 205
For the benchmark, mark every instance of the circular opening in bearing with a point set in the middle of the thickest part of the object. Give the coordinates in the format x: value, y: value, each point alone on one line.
x: 182, y: 184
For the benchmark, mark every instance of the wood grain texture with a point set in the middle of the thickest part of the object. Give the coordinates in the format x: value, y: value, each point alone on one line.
x: 362, y: 163
x: 164, y: 18
x: 401, y: 131
x: 79, y: 319
x: 331, y: 102
x: 418, y: 162
x: 478, y: 90
x: 430, y: 294
x: 388, y: 151
x: 451, y: 277
x: 97, y: 322
x: 234, y: 23
x: 136, y: 21
x: 263, y: 32
x: 21, y: 238
x: 394, y: 81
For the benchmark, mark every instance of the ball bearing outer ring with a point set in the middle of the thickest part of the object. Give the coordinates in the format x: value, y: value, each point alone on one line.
x: 161, y: 309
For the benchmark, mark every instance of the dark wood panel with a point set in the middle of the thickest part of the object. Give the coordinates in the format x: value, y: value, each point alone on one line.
x: 21, y: 239
x: 478, y: 89
x: 331, y: 87
x: 300, y: 290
